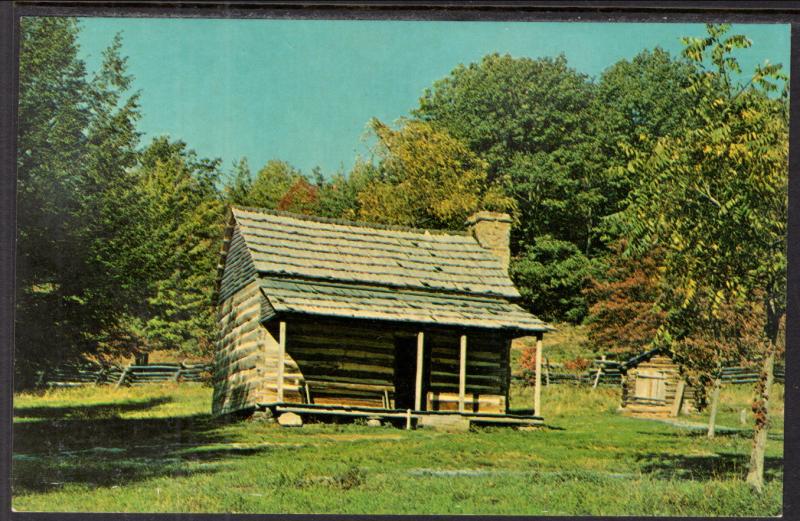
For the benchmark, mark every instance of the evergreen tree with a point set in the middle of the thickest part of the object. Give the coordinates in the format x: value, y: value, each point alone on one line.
x: 338, y: 197
x: 177, y: 239
x: 238, y: 183
x: 77, y: 138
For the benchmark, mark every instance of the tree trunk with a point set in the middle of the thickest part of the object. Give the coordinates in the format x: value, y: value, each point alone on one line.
x: 755, y: 475
x: 712, y: 417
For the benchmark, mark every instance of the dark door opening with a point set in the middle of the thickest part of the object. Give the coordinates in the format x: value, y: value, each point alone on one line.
x: 405, y: 373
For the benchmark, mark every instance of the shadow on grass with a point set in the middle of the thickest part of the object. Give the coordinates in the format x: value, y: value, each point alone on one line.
x: 702, y: 432
x: 101, y: 410
x: 77, y: 445
x: 705, y: 467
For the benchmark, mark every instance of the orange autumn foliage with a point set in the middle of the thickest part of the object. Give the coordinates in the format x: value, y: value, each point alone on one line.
x: 624, y: 316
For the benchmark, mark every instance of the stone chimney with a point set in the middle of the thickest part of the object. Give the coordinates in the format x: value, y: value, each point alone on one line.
x: 492, y: 230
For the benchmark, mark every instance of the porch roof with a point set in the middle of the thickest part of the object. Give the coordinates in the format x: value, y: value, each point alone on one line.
x: 312, y: 297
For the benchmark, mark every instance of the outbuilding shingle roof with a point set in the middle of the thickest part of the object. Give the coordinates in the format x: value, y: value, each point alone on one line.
x: 355, y: 270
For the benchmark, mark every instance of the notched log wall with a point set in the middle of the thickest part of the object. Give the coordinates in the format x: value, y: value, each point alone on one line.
x: 649, y: 388
x: 344, y: 363
x: 246, y: 353
x: 245, y: 349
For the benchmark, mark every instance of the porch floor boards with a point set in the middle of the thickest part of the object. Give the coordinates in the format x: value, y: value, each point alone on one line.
x: 400, y: 414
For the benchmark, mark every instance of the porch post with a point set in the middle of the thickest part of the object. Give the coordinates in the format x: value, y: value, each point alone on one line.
x: 462, y: 374
x: 420, y: 362
x: 537, y: 389
x: 281, y: 359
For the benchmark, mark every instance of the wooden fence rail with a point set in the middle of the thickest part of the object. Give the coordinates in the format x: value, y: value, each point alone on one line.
x: 601, y: 372
x: 608, y: 372
x: 74, y: 375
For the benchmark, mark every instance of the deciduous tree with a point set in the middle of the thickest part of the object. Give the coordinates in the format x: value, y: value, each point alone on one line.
x: 426, y: 178
x: 715, y: 198
x: 625, y: 315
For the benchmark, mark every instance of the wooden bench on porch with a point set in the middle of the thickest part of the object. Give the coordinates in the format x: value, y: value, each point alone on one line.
x: 312, y: 389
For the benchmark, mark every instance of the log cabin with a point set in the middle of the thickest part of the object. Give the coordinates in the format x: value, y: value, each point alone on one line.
x: 331, y: 316
x: 653, y: 385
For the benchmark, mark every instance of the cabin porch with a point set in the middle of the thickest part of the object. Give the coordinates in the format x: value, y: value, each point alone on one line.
x: 408, y: 418
x: 395, y: 373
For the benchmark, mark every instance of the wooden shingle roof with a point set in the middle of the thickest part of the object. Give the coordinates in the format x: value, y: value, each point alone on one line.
x: 336, y: 268
x: 296, y: 246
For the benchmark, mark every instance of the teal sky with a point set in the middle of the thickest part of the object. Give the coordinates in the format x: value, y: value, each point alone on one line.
x: 304, y: 90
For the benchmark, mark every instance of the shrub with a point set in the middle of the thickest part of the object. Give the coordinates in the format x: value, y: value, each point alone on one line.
x: 527, y: 362
x: 579, y: 364
x: 624, y: 315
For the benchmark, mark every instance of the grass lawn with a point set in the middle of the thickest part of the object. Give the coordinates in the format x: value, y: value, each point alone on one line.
x: 156, y: 449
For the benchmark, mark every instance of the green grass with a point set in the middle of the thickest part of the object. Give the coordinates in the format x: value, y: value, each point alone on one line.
x: 156, y: 449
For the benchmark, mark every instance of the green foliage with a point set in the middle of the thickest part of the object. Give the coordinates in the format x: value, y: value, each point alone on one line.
x: 338, y: 198
x: 636, y: 102
x: 117, y: 247
x: 645, y: 97
x: 174, y: 251
x: 271, y: 184
x: 426, y: 178
x: 715, y: 197
x: 503, y: 106
x: 557, y: 142
x: 530, y: 121
x: 52, y: 119
x: 238, y: 183
x: 77, y: 141
x: 550, y: 276
x: 279, y: 186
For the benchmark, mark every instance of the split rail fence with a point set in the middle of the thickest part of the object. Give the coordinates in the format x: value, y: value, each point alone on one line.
x: 601, y: 372
x: 609, y: 372
x: 131, y: 375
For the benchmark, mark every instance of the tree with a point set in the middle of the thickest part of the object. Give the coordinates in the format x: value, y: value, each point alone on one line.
x: 302, y: 197
x: 624, y: 314
x: 715, y: 199
x: 77, y: 140
x: 426, y: 178
x: 271, y: 184
x: 338, y: 198
x: 504, y: 105
x: 550, y: 276
x: 238, y: 183
x: 636, y: 102
x: 172, y: 249
x: 530, y: 121
x: 107, y: 177
x: 644, y: 96
x: 52, y: 119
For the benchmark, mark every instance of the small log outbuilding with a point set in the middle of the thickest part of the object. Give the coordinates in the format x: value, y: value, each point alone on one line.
x: 338, y: 317
x: 652, y: 385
